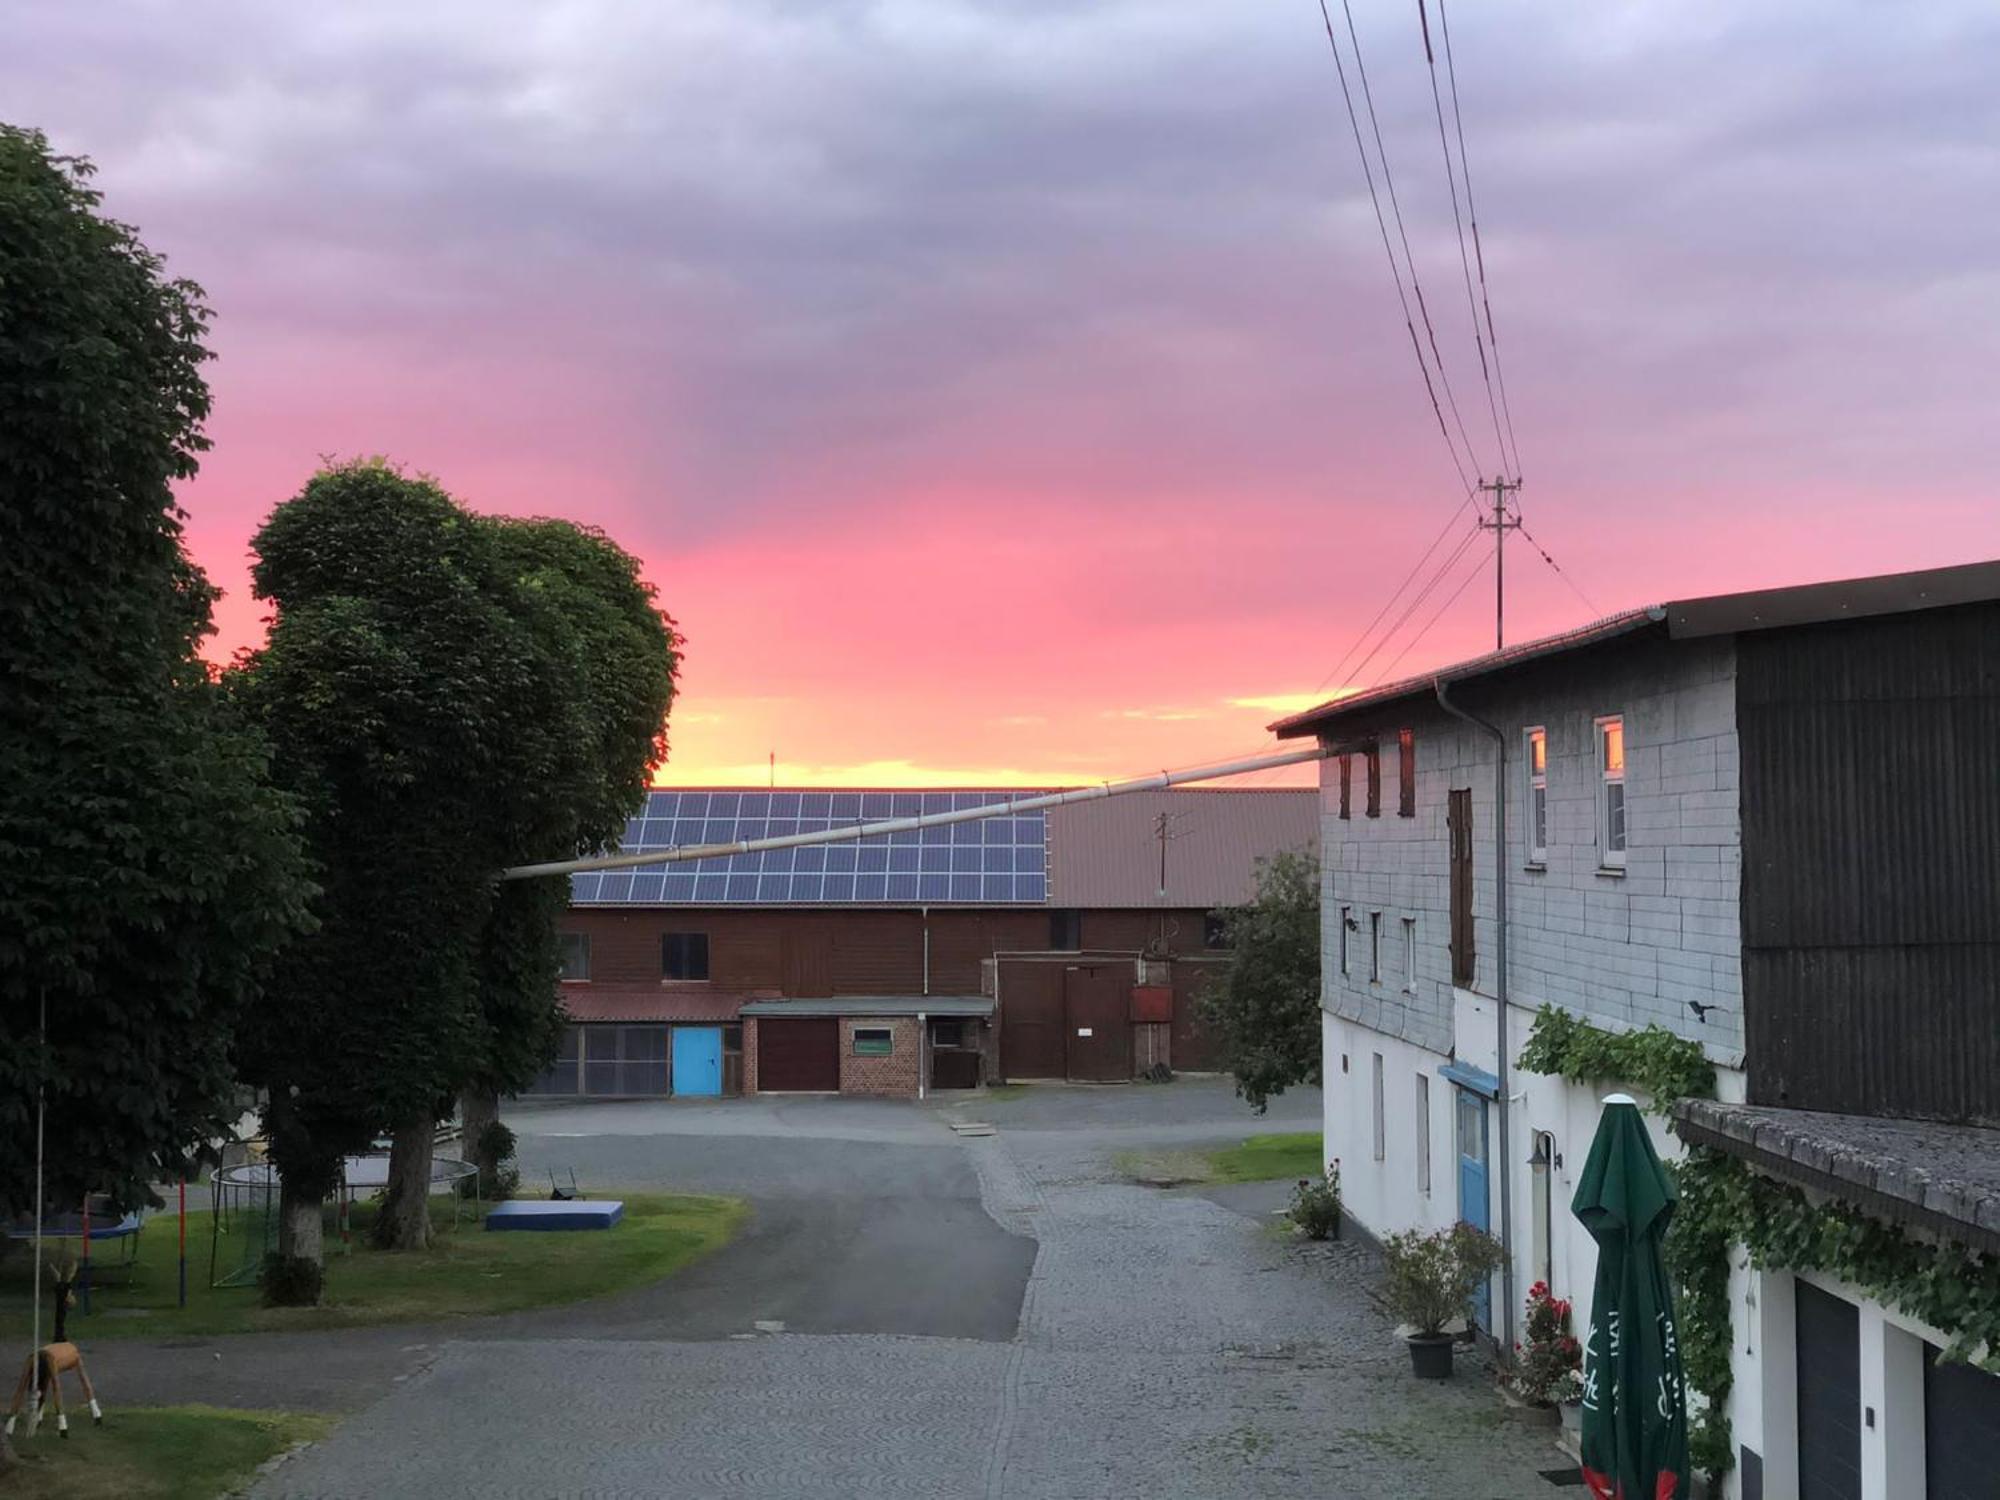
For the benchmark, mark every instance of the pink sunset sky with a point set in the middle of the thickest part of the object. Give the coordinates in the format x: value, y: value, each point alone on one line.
x: 1016, y: 392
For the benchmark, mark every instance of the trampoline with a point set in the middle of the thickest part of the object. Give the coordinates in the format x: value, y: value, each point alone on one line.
x: 244, y: 1228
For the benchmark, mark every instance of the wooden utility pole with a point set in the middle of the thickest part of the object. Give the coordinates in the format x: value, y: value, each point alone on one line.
x: 1500, y: 524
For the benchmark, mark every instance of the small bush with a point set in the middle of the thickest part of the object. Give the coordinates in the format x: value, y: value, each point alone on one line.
x: 1432, y: 1278
x: 1316, y: 1205
x: 1548, y: 1356
x: 290, y: 1281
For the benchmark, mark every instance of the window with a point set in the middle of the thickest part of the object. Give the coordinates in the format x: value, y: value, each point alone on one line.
x: 1374, y: 947
x: 1346, y: 784
x: 1346, y: 926
x: 1535, y: 798
x: 684, y: 955
x: 576, y: 956
x: 1424, y: 1134
x: 947, y: 1033
x: 1409, y: 955
x: 1381, y: 1120
x: 874, y: 1041
x: 1406, y: 773
x: 1214, y: 930
x: 1375, y: 781
x: 1066, y: 929
x: 1611, y: 793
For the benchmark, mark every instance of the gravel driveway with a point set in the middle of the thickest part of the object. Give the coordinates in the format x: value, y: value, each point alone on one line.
x: 1163, y: 1344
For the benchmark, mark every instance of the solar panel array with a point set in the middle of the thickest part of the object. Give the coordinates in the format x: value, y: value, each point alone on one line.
x: 994, y: 861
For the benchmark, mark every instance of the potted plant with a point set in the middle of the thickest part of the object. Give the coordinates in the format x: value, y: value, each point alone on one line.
x: 1431, y: 1280
x: 1547, y: 1358
x: 1316, y: 1205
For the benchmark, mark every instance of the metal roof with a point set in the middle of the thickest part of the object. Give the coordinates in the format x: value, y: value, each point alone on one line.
x: 601, y: 1002
x: 876, y: 1005
x: 1689, y: 619
x: 1107, y: 854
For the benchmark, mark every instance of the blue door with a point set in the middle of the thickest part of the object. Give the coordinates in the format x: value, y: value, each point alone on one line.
x: 698, y: 1060
x: 1473, y: 1199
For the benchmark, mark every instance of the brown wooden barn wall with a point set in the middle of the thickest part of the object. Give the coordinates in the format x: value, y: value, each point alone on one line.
x: 1871, y: 864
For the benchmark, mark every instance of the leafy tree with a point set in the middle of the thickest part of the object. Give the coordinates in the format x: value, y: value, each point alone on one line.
x: 1264, y: 1010
x: 582, y: 596
x: 149, y: 872
x: 398, y: 691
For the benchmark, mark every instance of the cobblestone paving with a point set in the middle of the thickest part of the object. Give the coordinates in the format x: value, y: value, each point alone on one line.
x: 1168, y: 1347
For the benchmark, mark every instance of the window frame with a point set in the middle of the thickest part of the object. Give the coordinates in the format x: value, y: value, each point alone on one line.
x: 886, y: 1034
x: 1604, y: 726
x: 1535, y: 781
x: 1423, y: 1133
x: 1374, y: 947
x: 1346, y: 953
x: 1406, y: 773
x: 688, y: 950
x: 1346, y: 785
x: 1381, y: 1109
x: 1214, y: 930
x: 582, y: 942
x: 1409, y: 955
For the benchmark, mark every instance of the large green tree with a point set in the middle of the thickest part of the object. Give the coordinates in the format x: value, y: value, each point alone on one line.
x: 1264, y: 1009
x: 582, y: 596
x: 398, y: 691
x: 148, y: 870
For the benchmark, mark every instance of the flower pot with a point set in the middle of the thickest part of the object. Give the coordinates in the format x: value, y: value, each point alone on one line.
x: 1572, y: 1423
x: 1430, y: 1355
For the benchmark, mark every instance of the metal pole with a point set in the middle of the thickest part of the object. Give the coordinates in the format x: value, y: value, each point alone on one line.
x: 680, y: 853
x: 184, y: 1242
x: 41, y: 1121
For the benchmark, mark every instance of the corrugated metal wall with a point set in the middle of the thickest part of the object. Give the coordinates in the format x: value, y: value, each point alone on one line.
x: 1871, y: 864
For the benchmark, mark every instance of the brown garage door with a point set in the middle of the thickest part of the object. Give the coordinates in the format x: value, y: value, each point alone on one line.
x: 1098, y: 999
x: 1031, y: 1020
x: 798, y: 1056
x: 1194, y: 1048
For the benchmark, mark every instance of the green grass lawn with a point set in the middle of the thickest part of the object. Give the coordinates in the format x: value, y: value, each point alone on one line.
x: 1261, y: 1158
x: 467, y: 1272
x: 154, y: 1453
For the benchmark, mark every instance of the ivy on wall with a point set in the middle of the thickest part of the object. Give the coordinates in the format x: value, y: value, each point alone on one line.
x: 1666, y: 1066
x: 1724, y: 1203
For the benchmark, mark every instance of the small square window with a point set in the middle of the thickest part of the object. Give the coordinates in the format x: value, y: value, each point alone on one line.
x: 575, y: 956
x: 1066, y: 929
x: 947, y: 1033
x: 1215, y: 930
x: 684, y: 955
x: 874, y: 1041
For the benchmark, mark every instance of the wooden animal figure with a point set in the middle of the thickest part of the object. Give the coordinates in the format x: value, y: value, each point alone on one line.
x: 45, y: 1368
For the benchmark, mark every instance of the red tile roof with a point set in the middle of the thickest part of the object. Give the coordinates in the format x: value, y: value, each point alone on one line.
x: 635, y: 1003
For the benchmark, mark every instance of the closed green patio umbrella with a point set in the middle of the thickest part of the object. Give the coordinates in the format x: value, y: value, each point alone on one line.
x: 1635, y: 1444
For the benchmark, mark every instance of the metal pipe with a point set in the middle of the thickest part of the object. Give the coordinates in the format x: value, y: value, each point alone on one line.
x: 927, y: 949
x: 1500, y: 1002
x: 675, y: 854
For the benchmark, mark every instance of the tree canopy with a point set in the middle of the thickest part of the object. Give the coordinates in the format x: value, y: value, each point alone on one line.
x: 149, y: 872
x: 1264, y: 1010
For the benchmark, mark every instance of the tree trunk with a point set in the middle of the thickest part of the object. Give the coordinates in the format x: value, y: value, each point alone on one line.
x: 298, y: 1278
x: 404, y: 1222
x: 478, y: 1108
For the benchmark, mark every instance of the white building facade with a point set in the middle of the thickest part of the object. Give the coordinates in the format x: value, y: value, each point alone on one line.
x: 1623, y: 862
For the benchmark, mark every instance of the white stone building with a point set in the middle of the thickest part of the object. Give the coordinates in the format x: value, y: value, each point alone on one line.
x: 1636, y: 759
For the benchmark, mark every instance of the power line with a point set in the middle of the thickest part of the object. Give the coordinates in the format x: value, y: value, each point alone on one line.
x: 1458, y: 223
x: 1395, y: 270
x: 1389, y: 603
x: 1417, y: 600
x: 1479, y: 566
x: 1396, y: 208
x: 1574, y: 586
x: 1479, y: 254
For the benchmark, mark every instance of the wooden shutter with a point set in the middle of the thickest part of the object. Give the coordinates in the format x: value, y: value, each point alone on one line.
x: 1459, y: 820
x: 1375, y: 780
x: 1406, y: 773
x: 1346, y: 784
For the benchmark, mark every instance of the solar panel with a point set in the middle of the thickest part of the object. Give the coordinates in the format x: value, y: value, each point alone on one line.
x: 1001, y: 861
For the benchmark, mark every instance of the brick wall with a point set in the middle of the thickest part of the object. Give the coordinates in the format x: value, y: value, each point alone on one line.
x: 894, y: 1076
x: 749, y: 1056
x: 1623, y: 949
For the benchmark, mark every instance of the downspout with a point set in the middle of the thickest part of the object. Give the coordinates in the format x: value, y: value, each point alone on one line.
x: 1500, y: 1002
x: 927, y: 950
x: 923, y: 1053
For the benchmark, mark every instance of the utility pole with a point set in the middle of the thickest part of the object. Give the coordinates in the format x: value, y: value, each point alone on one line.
x: 1499, y: 525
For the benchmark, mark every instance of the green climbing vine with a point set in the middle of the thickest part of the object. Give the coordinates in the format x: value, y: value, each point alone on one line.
x: 1666, y: 1066
x: 1724, y: 1203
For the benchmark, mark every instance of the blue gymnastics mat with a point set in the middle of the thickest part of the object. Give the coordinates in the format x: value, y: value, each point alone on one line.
x: 575, y: 1213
